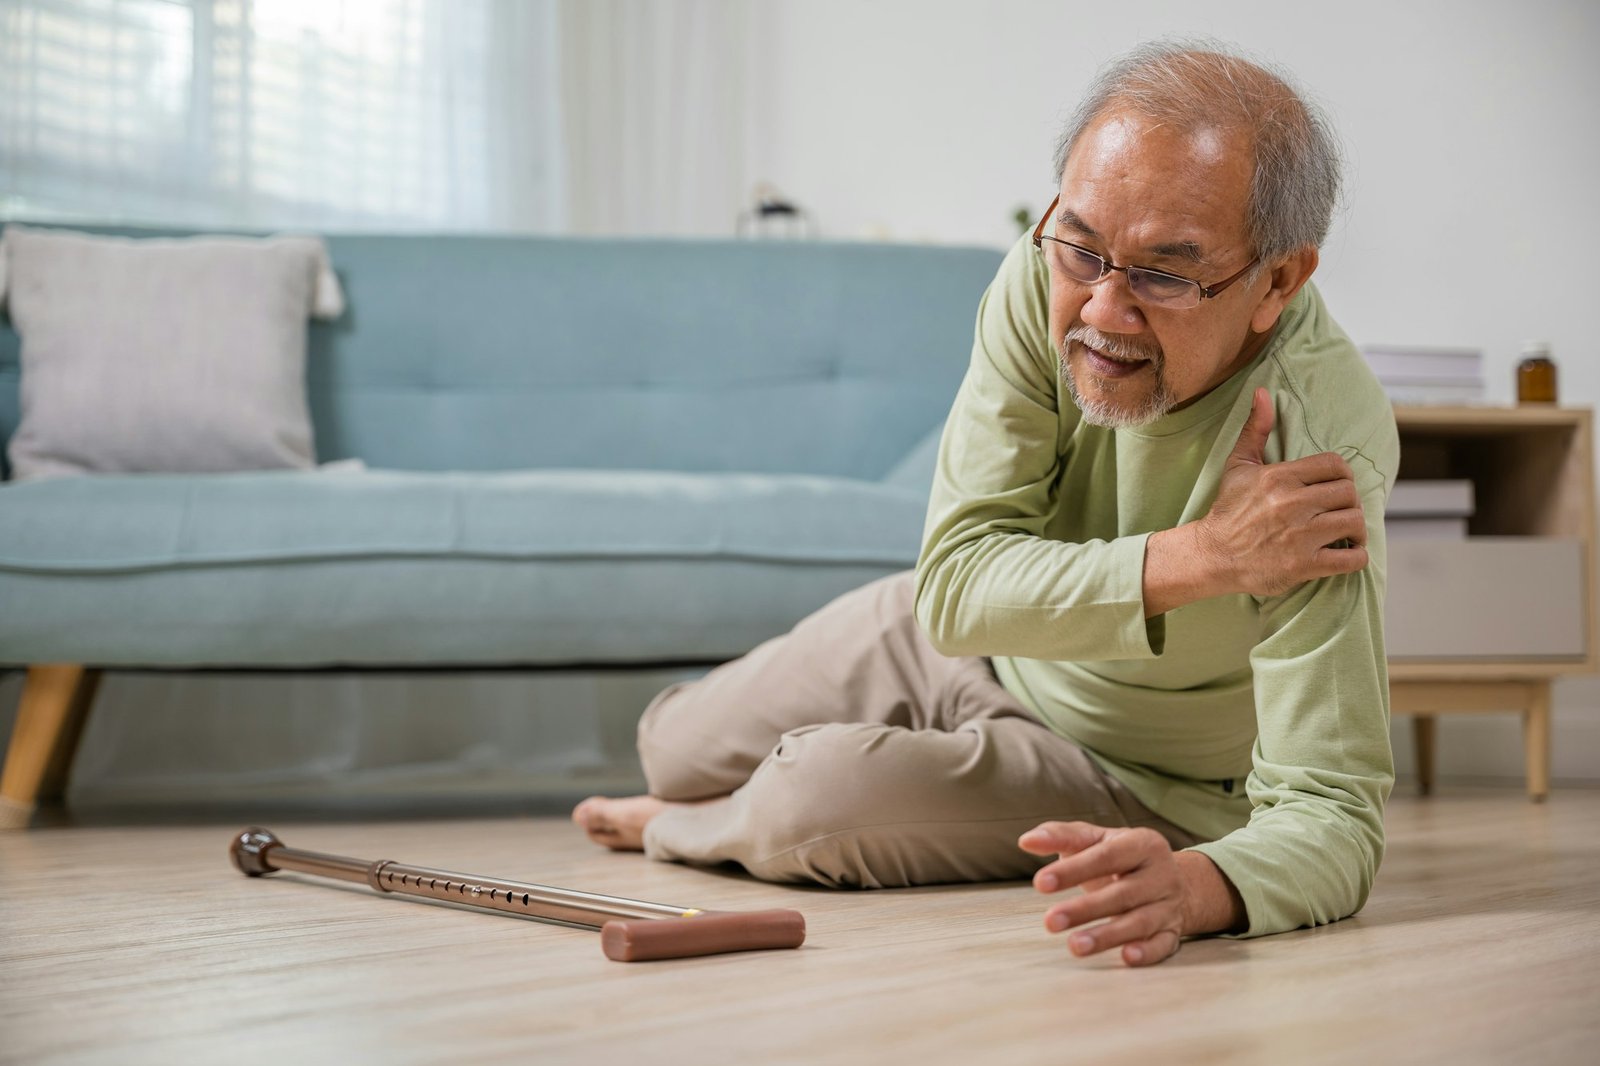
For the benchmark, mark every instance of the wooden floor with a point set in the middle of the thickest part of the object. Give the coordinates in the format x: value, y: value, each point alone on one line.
x: 141, y: 944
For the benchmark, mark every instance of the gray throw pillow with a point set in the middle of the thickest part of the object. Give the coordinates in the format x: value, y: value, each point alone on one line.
x: 181, y: 355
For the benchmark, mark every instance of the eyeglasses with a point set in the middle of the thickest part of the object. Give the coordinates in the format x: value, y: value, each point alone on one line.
x: 1150, y: 286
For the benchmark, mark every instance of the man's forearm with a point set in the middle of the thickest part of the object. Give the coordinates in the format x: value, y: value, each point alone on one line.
x: 1177, y: 571
x: 1214, y: 904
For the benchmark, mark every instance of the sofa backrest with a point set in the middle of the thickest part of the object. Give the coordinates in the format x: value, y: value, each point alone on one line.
x: 511, y: 352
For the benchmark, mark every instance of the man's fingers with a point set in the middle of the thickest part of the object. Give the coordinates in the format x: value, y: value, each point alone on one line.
x: 1140, y: 924
x: 1119, y: 897
x: 1136, y: 893
x: 1053, y: 838
x: 1324, y: 466
x: 1151, y: 950
x: 1336, y: 495
x: 1331, y: 561
x: 1333, y: 526
x: 1075, y: 870
x: 1119, y: 853
x: 1251, y: 446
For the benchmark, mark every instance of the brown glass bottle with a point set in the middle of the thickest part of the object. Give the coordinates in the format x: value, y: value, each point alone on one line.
x: 1536, y: 375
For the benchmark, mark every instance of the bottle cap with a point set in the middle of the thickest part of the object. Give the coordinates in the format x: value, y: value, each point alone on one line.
x: 1536, y: 349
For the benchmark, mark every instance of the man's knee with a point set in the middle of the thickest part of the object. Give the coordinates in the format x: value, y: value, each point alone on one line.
x: 813, y: 806
x: 673, y: 770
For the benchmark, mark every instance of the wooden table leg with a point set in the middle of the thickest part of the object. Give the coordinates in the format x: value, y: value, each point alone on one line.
x: 1536, y: 741
x: 1428, y: 699
x: 55, y: 704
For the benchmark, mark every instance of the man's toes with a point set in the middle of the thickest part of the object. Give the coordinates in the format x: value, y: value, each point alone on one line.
x: 590, y: 812
x: 617, y: 823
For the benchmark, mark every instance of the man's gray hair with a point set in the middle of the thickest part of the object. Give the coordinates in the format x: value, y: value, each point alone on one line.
x: 1204, y: 85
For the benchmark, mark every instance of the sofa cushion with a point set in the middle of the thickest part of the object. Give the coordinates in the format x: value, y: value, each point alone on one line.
x: 162, y: 355
x: 497, y: 352
x: 529, y: 568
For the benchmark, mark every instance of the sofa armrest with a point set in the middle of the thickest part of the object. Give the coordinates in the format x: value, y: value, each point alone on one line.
x: 915, y: 469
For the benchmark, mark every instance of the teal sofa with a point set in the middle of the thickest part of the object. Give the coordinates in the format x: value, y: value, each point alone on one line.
x: 595, y: 453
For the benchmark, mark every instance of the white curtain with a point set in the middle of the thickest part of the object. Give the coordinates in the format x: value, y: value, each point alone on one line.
x: 345, y: 114
x: 585, y: 116
x: 657, y: 103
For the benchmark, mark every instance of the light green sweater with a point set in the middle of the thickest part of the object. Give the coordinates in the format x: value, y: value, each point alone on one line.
x: 1260, y: 724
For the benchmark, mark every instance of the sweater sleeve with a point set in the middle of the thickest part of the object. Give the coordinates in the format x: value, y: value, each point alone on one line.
x: 1322, y: 765
x: 988, y: 580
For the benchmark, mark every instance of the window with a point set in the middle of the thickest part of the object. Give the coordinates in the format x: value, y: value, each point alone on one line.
x: 348, y: 114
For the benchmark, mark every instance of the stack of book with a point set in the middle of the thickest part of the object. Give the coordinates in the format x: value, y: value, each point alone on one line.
x: 1428, y: 510
x: 1427, y: 375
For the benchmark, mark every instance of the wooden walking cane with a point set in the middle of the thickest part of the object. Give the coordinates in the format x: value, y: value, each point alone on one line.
x: 630, y: 930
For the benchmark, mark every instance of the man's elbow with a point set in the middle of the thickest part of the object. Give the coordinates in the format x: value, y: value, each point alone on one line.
x: 1360, y: 872
x: 935, y: 613
x: 1371, y: 859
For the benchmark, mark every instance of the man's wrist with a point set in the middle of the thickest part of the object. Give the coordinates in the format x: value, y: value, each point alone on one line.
x: 1211, y: 902
x: 1180, y: 568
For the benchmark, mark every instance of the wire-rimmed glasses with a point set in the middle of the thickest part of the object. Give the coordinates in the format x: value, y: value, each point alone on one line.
x: 1155, y: 287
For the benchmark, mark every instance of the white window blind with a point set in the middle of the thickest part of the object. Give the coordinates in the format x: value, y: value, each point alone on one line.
x: 438, y: 114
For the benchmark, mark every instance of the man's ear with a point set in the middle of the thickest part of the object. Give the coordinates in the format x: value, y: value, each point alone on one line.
x: 1285, y: 278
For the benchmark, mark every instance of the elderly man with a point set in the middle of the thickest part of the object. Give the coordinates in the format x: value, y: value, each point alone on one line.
x: 1145, y: 630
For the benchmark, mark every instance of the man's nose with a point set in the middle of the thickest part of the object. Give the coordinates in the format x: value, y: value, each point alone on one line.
x: 1111, y: 308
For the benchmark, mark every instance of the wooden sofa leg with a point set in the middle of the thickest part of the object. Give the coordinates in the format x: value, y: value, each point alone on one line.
x: 55, y: 704
x: 1424, y: 731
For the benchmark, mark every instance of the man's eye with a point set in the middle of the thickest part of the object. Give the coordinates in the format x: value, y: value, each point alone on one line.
x: 1162, y: 284
x: 1084, y: 262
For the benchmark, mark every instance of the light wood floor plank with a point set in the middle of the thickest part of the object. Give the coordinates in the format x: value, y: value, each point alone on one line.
x: 142, y: 944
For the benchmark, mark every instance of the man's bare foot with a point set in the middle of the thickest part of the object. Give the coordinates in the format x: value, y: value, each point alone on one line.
x: 618, y: 823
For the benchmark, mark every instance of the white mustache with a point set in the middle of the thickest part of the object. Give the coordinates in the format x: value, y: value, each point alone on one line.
x: 1116, y: 347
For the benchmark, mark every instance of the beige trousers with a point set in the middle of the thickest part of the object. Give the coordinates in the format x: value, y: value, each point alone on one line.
x: 850, y: 753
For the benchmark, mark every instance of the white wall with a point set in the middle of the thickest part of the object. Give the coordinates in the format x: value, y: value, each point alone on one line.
x: 1473, y: 182
x: 1473, y: 134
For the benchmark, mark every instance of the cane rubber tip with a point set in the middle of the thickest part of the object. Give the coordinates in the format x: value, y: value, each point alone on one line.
x: 15, y: 815
x: 249, y: 851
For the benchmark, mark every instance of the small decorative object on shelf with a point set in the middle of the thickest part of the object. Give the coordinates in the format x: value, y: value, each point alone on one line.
x: 1536, y: 374
x: 774, y: 216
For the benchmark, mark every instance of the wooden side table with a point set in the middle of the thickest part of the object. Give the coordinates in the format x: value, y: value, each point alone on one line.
x: 1532, y: 470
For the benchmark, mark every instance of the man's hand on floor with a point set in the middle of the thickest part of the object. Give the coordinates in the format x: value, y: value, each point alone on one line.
x: 1152, y: 897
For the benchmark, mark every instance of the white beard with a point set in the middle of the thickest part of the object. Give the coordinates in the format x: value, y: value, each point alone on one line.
x: 1103, y: 412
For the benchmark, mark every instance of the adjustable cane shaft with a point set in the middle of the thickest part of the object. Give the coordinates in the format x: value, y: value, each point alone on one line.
x: 631, y: 930
x: 514, y: 897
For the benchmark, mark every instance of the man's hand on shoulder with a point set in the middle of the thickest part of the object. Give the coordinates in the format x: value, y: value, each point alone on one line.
x: 1273, y: 526
x: 1152, y: 896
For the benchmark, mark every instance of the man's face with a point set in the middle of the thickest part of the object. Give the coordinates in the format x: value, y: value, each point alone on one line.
x: 1140, y: 193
